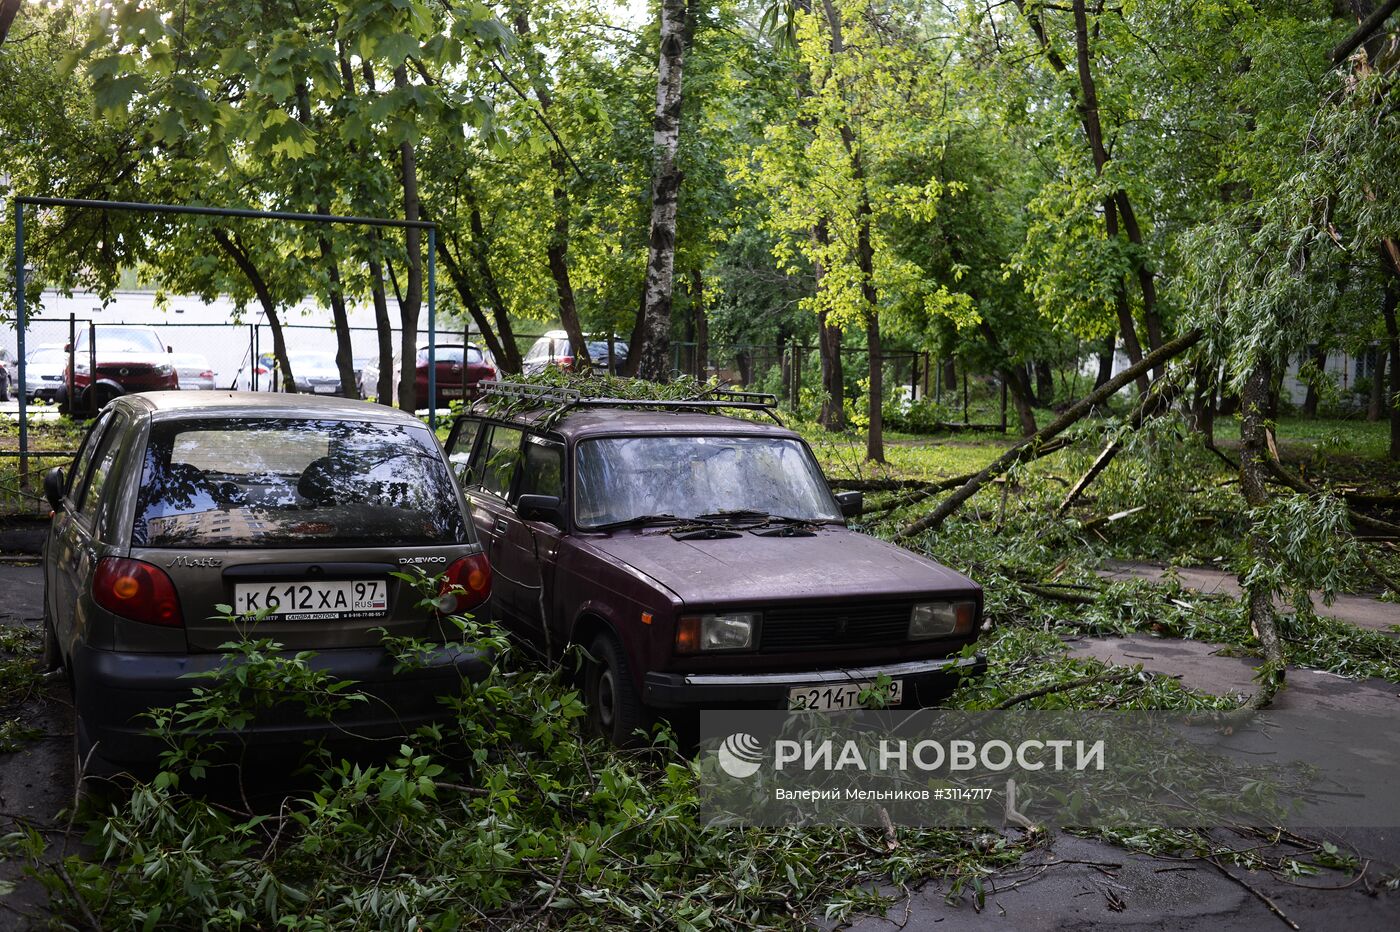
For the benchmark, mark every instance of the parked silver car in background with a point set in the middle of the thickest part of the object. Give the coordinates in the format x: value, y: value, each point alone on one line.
x: 316, y: 372
x: 9, y: 374
x: 554, y: 349
x: 43, y: 371
x: 194, y: 372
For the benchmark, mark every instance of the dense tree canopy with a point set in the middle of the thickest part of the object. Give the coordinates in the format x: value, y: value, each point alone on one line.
x: 1014, y: 189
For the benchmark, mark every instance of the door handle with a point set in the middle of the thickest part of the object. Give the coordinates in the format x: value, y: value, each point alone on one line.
x: 500, y: 526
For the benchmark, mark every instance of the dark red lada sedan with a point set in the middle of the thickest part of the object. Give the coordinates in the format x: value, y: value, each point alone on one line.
x: 702, y: 560
x: 460, y: 372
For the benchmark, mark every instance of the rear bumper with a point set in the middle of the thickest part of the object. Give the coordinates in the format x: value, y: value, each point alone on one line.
x: 115, y: 689
x: 924, y: 681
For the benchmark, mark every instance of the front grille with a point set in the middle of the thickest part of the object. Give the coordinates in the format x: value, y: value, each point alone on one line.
x: 814, y: 627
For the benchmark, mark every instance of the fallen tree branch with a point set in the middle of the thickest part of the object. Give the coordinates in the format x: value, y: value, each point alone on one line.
x: 1235, y: 467
x: 1377, y: 572
x: 1363, y: 32
x: 1070, y: 598
x: 897, y: 485
x: 1097, y: 679
x: 1028, y: 447
x: 1302, y: 486
x: 1273, y: 907
x: 1150, y: 405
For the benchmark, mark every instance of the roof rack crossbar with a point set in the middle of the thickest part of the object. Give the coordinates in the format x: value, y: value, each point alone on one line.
x: 565, y: 398
x: 524, y: 391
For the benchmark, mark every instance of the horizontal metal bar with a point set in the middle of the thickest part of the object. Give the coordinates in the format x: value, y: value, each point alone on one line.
x: 222, y: 212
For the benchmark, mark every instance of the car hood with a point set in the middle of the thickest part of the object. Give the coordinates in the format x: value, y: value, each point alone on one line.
x: 833, y: 563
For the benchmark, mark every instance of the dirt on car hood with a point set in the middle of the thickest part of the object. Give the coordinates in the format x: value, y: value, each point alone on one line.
x: 832, y: 563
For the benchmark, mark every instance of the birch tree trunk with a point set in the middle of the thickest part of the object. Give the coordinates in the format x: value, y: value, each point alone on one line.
x: 665, y: 189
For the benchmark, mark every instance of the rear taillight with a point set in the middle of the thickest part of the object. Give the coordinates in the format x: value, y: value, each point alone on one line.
x: 138, y: 591
x: 207, y: 374
x: 465, y: 585
x: 566, y: 362
x: 262, y: 370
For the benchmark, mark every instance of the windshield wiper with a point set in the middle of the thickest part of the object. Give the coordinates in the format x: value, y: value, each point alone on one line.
x: 732, y: 513
x: 764, y: 517
x: 638, y: 521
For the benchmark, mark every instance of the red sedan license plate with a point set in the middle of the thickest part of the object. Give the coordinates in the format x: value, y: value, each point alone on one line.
x: 841, y: 697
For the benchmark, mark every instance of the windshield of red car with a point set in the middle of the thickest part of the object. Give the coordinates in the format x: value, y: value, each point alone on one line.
x: 620, y: 478
x: 123, y: 340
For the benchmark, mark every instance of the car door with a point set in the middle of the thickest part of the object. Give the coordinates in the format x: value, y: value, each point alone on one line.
x: 528, y: 548
x: 72, y: 536
x: 494, y: 459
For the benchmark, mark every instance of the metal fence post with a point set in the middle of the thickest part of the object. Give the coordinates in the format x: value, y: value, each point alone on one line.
x: 19, y: 345
x: 91, y: 405
x: 71, y: 375
x: 432, y: 329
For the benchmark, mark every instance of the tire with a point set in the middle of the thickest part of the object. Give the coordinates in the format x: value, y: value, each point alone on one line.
x: 97, y: 396
x: 4, y: 385
x: 615, y: 711
x: 61, y: 399
x: 53, y: 651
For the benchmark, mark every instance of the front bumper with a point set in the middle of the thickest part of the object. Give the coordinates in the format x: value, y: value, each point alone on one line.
x: 925, y: 681
x: 114, y: 690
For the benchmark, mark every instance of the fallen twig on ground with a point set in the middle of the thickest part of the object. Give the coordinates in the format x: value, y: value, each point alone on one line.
x: 1258, y: 894
x: 1097, y: 679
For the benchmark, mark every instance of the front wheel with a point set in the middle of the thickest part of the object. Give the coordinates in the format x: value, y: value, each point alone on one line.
x: 615, y: 711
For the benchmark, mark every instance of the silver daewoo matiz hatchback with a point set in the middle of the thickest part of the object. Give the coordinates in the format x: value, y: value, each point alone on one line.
x: 293, y: 511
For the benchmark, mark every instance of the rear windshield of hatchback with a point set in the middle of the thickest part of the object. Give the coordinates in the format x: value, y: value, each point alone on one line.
x: 282, y: 482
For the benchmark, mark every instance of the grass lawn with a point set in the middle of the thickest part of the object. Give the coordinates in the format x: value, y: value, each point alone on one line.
x: 1301, y: 437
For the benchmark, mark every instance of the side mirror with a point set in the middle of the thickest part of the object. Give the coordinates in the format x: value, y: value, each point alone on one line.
x: 852, y: 503
x: 170, y: 349
x: 68, y: 347
x: 53, y: 487
x: 546, y: 508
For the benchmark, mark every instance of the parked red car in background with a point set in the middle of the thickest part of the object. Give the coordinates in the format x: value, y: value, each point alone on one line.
x: 460, y: 370
x: 128, y: 359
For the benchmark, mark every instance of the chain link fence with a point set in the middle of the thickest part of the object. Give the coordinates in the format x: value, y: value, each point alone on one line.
x: 60, y: 356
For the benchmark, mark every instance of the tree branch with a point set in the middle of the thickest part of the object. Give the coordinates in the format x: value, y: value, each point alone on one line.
x: 1026, y: 449
x: 1363, y: 32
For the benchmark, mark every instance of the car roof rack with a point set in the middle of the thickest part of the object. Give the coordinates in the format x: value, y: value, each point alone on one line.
x: 563, y: 399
